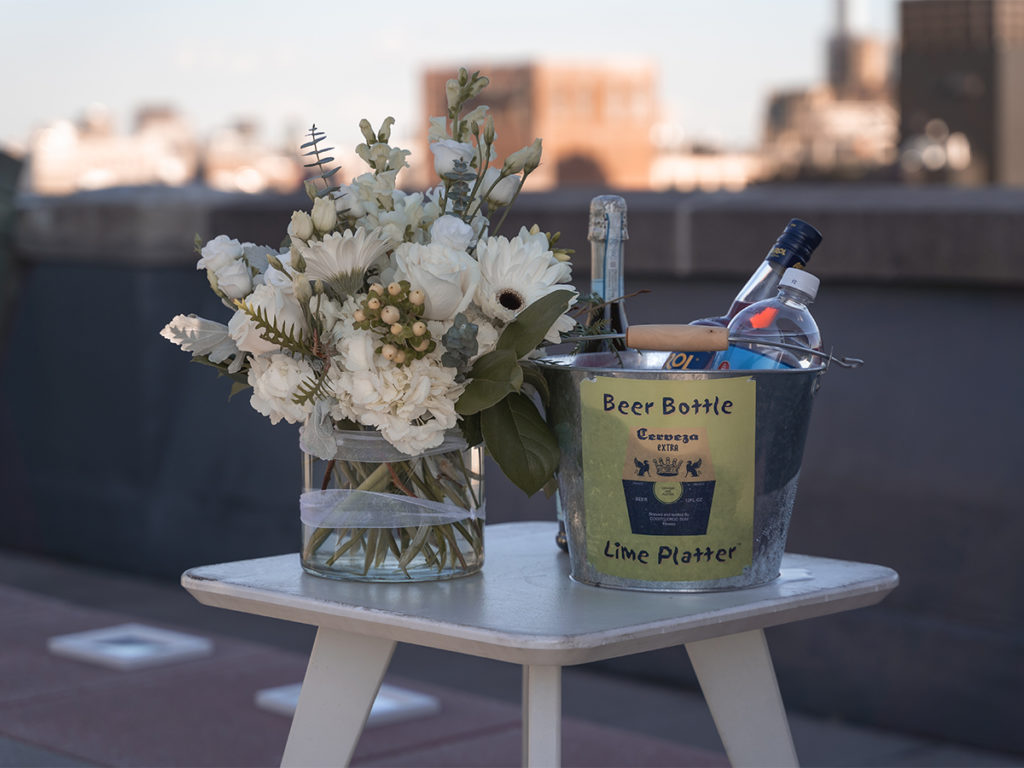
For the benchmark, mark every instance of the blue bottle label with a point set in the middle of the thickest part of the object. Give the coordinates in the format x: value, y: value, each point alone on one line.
x: 740, y: 359
x: 690, y: 361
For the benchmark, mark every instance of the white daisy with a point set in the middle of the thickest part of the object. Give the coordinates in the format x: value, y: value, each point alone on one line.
x: 341, y: 260
x: 515, y: 273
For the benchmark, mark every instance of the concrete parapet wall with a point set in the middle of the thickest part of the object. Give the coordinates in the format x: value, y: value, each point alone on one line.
x: 117, y: 452
x: 888, y: 233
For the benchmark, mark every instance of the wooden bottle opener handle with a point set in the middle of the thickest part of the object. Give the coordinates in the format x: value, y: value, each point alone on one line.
x: 677, y: 338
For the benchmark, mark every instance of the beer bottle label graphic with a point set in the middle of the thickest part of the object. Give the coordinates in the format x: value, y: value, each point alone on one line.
x: 668, y: 481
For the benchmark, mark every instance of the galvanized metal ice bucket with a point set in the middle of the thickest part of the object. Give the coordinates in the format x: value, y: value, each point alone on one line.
x: 676, y: 480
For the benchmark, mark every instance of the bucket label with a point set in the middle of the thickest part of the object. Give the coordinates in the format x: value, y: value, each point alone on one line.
x: 668, y: 475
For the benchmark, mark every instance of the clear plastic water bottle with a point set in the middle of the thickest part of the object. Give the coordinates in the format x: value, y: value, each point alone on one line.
x: 792, y: 249
x: 785, y: 319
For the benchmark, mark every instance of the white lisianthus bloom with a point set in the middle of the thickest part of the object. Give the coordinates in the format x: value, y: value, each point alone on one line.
x: 301, y: 226
x: 324, y: 215
x: 282, y: 309
x: 234, y: 279
x: 515, y: 273
x: 447, y: 152
x: 256, y: 257
x: 499, y: 192
x: 275, y: 378
x: 451, y: 232
x: 219, y: 253
x: 348, y: 202
x: 448, y: 277
x: 341, y: 260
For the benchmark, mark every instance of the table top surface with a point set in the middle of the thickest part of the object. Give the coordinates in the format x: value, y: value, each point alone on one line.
x: 523, y: 607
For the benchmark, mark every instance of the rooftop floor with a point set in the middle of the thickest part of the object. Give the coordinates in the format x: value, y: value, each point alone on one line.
x: 60, y: 712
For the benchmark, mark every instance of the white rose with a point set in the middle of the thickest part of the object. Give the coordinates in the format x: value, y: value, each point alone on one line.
x: 451, y: 232
x: 234, y: 279
x: 499, y: 192
x: 301, y: 226
x: 281, y: 308
x: 447, y: 152
x: 448, y: 277
x: 275, y: 379
x: 219, y: 252
x: 324, y: 216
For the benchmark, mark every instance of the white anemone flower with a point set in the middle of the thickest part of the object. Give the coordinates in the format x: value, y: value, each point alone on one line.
x: 515, y: 273
x: 341, y: 260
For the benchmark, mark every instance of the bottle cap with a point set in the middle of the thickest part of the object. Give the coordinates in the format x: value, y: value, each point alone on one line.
x: 796, y: 243
x: 800, y: 279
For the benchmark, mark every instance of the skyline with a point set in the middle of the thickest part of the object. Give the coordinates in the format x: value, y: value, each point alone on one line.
x: 223, y: 61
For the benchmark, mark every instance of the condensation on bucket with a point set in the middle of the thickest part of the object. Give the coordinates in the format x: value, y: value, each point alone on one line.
x: 783, y: 409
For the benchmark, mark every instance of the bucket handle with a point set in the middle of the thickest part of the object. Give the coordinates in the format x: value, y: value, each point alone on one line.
x: 700, y: 338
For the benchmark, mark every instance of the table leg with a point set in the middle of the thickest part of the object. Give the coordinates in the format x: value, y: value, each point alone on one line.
x: 344, y: 673
x: 542, y: 716
x: 739, y: 685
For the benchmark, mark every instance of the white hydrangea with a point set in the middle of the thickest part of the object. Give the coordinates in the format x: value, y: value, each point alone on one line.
x: 412, y: 405
x: 274, y: 379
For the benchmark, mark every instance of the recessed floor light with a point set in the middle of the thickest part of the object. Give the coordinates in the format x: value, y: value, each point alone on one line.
x: 130, y: 646
x: 392, y: 704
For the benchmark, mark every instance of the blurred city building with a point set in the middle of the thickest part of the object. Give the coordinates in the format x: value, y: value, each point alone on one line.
x: 595, y: 119
x: 68, y: 156
x: 237, y: 160
x: 962, y: 91
x: 161, y: 149
x: 845, y: 128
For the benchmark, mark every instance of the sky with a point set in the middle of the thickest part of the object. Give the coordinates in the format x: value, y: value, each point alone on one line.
x: 288, y: 64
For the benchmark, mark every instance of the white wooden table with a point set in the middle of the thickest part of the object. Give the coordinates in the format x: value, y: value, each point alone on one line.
x: 524, y: 609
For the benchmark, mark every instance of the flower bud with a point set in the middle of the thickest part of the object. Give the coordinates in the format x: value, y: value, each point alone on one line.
x: 390, y: 314
x: 359, y: 316
x: 396, y: 329
x: 422, y: 346
x: 388, y: 351
x: 399, y: 357
x: 394, y: 288
x: 489, y: 130
x: 325, y: 216
x: 377, y: 288
x: 452, y: 90
x: 419, y: 328
x: 478, y: 85
x: 301, y: 226
x: 417, y: 297
x: 364, y: 126
x: 525, y: 159
x: 373, y: 303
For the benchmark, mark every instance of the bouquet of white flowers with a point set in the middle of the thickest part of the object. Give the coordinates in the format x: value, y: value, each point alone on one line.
x: 404, y: 313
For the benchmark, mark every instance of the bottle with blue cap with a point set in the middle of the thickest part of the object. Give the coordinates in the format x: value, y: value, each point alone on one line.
x: 756, y: 333
x: 791, y: 250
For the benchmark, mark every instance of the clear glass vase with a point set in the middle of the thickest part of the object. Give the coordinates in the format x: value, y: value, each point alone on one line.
x: 373, y: 513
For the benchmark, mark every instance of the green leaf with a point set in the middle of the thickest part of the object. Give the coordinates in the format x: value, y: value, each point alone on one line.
x: 521, y: 442
x: 494, y: 376
x: 533, y: 376
x: 470, y: 426
x: 528, y: 329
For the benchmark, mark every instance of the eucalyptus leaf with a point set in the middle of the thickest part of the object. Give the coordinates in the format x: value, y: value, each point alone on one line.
x: 494, y: 376
x: 521, y: 442
x: 527, y: 331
